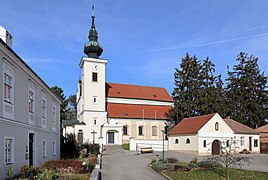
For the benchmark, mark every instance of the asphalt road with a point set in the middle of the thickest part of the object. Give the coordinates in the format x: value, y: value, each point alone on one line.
x: 118, y: 164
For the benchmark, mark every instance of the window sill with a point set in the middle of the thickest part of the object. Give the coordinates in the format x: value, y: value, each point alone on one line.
x: 7, y: 164
x: 8, y: 102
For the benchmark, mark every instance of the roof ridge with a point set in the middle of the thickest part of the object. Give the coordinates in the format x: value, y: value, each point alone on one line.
x: 136, y: 85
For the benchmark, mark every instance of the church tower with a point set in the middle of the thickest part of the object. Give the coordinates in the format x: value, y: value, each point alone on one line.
x: 91, y: 101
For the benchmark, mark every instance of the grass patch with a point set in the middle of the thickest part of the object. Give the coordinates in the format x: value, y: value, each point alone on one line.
x: 217, y: 173
x: 125, y: 146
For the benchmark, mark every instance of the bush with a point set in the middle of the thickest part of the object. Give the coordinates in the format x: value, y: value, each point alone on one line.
x: 192, y: 165
x: 29, y: 171
x: 91, y: 148
x: 209, y: 164
x: 47, y: 174
x: 194, y: 160
x: 70, y: 148
x: 171, y: 160
x: 244, y: 151
x: 158, y: 166
x: 59, y: 164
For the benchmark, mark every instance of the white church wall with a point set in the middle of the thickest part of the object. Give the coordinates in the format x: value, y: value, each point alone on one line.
x: 138, y: 101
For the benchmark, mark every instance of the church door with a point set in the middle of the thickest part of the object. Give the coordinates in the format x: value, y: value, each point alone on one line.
x: 111, y: 137
x: 216, y: 146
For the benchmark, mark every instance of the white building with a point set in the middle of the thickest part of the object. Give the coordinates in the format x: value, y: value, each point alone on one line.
x: 208, y: 133
x: 114, y: 113
x: 29, y: 113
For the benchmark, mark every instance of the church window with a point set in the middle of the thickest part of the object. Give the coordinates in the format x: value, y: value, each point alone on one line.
x: 140, y: 130
x: 216, y: 126
x: 204, y: 143
x: 125, y: 130
x: 154, y: 131
x: 94, y: 121
x: 80, y: 136
x: 94, y: 99
x: 94, y: 77
x: 188, y: 141
x: 227, y: 143
x: 176, y: 141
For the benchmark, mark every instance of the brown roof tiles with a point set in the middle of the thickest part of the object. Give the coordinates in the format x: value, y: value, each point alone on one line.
x: 190, y: 125
x: 137, y: 92
x: 239, y: 128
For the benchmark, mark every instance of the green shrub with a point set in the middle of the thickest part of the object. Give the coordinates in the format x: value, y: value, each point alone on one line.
x: 47, y: 174
x: 158, y: 166
x: 209, y: 164
x: 59, y: 164
x: 29, y: 171
x: 194, y: 160
x: 91, y: 148
x: 70, y: 149
x: 171, y: 160
x: 192, y: 165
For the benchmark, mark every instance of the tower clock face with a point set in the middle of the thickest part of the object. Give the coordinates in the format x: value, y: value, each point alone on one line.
x: 95, y: 67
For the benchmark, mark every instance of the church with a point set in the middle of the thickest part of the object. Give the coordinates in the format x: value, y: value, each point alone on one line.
x: 112, y: 113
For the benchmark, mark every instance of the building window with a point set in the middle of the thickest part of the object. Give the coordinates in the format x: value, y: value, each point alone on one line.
x: 44, y: 149
x: 54, y: 148
x: 31, y: 101
x: 53, y: 117
x: 188, y: 141
x: 140, y: 130
x: 176, y: 141
x: 154, y: 131
x: 43, y: 108
x: 9, y: 150
x: 204, y: 143
x: 94, y: 121
x: 94, y: 100
x: 95, y: 77
x: 80, y: 136
x: 125, y: 130
x: 216, y: 126
x: 7, y: 87
x: 227, y: 143
x: 242, y: 141
x: 255, y: 142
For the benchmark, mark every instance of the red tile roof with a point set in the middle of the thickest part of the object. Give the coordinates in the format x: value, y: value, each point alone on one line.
x: 133, y: 111
x: 190, y: 125
x: 262, y: 129
x: 239, y: 128
x: 137, y: 92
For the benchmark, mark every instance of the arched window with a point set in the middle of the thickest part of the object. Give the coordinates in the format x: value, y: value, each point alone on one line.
x: 176, y: 141
x: 204, y: 143
x: 125, y: 130
x: 227, y: 143
x: 154, y: 131
x: 140, y: 130
x: 188, y: 141
x: 216, y: 126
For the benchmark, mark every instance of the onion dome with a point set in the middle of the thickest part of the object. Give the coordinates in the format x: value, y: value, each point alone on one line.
x: 92, y: 48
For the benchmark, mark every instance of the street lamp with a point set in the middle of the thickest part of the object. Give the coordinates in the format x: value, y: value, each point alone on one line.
x: 163, y: 152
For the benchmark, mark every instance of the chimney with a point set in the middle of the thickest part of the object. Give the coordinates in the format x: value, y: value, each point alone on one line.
x: 6, y: 36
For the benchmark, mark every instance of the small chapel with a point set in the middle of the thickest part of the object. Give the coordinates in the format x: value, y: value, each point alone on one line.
x: 112, y: 113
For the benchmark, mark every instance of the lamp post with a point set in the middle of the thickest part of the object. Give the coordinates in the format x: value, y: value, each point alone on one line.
x: 163, y: 152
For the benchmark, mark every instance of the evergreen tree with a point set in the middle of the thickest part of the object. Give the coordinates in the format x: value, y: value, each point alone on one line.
x: 185, y: 93
x: 247, y: 93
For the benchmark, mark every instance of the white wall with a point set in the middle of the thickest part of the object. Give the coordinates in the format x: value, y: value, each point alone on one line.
x: 156, y: 145
x: 193, y: 146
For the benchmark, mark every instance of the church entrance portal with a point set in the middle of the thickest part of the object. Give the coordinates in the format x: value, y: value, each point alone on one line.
x: 216, y: 146
x: 110, y: 137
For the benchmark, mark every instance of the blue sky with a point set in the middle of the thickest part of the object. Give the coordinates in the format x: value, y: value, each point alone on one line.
x: 143, y: 40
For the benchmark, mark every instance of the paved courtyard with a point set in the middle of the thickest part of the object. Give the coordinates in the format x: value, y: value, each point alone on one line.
x: 119, y: 164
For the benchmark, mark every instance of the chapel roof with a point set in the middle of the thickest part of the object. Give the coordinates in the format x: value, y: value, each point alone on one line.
x: 191, y: 125
x: 137, y: 92
x: 239, y: 128
x: 134, y: 111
